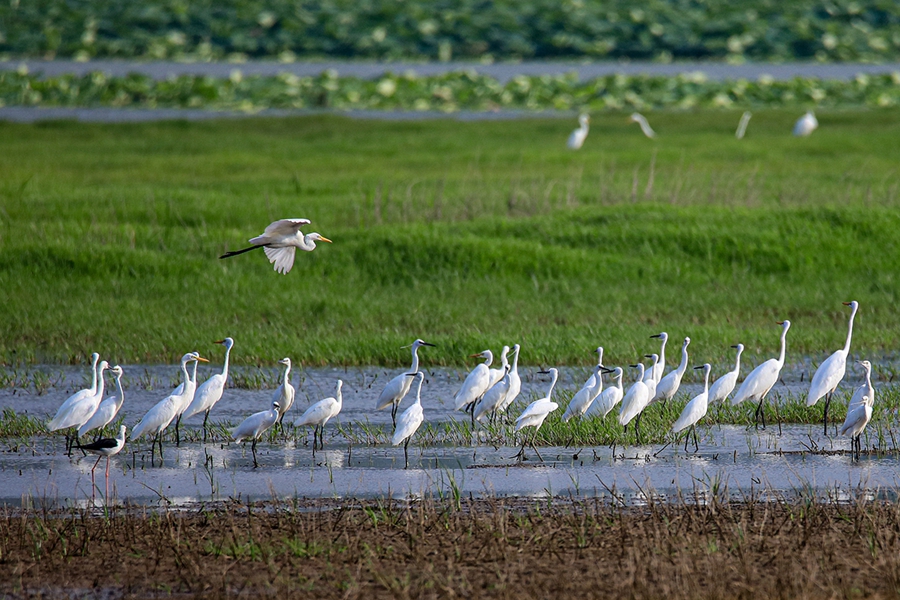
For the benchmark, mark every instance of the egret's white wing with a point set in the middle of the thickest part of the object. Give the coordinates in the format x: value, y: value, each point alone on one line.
x: 285, y: 227
x: 282, y: 257
x: 318, y: 413
x: 408, y: 423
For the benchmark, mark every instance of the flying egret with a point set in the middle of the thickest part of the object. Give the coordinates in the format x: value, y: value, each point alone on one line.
x: 498, y: 374
x: 864, y: 390
x: 668, y: 385
x: 397, y: 388
x: 806, y: 124
x: 694, y: 410
x: 410, y: 420
x: 280, y: 241
x: 724, y: 385
x: 320, y: 413
x: 76, y: 398
x: 475, y: 384
x: 108, y: 408
x: 492, y: 398
x: 763, y: 378
x: 660, y: 367
x: 107, y: 447
x: 635, y: 401
x: 254, y: 426
x: 582, y: 399
x: 161, y: 415
x: 645, y: 126
x: 858, y: 417
x: 78, y: 412
x: 742, y: 126
x: 515, y: 382
x: 211, y: 390
x: 534, y: 415
x: 609, y: 397
x: 829, y: 374
x: 648, y: 374
x: 185, y: 391
x: 284, y: 395
x: 577, y: 137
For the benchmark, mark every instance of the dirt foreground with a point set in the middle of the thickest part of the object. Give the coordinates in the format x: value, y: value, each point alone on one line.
x: 498, y: 548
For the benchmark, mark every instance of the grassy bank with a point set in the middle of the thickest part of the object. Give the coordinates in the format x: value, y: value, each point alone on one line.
x: 468, y: 235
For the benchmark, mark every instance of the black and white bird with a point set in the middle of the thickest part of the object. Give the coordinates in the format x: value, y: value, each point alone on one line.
x: 107, y: 447
x: 280, y: 241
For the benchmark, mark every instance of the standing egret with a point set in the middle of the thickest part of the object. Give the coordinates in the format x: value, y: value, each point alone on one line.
x: 582, y: 399
x: 724, y: 385
x: 254, y: 426
x: 185, y: 391
x: 648, y: 374
x: 211, y: 391
x: 398, y: 387
x: 858, y: 417
x: 534, y: 415
x: 645, y: 126
x: 660, y: 367
x: 409, y: 421
x: 163, y: 412
x: 284, y: 395
x: 320, y: 413
x: 742, y: 126
x: 592, y: 380
x: 806, y: 124
x: 515, y: 382
x: 635, y: 401
x: 498, y: 374
x: 864, y: 390
x: 609, y: 397
x: 76, y: 398
x: 668, y: 385
x: 832, y: 369
x: 577, y: 137
x: 476, y: 383
x: 494, y: 397
x: 78, y: 412
x: 107, y: 447
x: 280, y: 242
x: 694, y: 410
x: 763, y: 378
x: 108, y: 408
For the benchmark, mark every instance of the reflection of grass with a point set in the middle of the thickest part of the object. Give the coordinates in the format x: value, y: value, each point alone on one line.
x: 468, y: 235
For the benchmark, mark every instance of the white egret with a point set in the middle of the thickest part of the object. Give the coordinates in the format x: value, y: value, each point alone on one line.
x: 864, y: 390
x: 668, y: 385
x: 830, y: 373
x: 582, y: 399
x: 724, y: 385
x: 108, y: 408
x: 761, y: 379
x: 515, y: 382
x: 397, y: 388
x: 76, y: 398
x: 475, y: 384
x: 81, y: 409
x: 577, y: 137
x: 535, y: 414
x: 211, y: 390
x: 410, y: 420
x: 742, y: 126
x: 498, y: 374
x: 284, y: 395
x: 107, y: 447
x: 806, y: 124
x: 635, y: 401
x: 609, y: 397
x: 592, y: 380
x: 254, y: 426
x: 185, y: 391
x: 858, y: 417
x: 645, y: 126
x: 694, y: 410
x: 648, y: 374
x: 494, y: 397
x: 280, y: 241
x: 660, y: 367
x: 320, y: 413
x: 161, y: 415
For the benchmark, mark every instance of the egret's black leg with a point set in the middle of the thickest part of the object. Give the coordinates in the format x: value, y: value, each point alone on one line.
x: 253, y: 449
x: 205, y: 418
x: 406, y: 454
x: 394, y: 408
x: 177, y: 433
x: 533, y: 447
x: 825, y: 418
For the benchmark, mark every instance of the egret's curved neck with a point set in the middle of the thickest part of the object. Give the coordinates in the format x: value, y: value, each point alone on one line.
x: 504, y: 362
x: 225, y: 366
x: 705, y: 381
x: 309, y: 244
x: 339, y: 396
x: 737, y: 361
x: 287, y: 375
x: 121, y: 397
x: 94, y: 371
x: 869, y: 378
x: 600, y: 358
x: 194, y: 376
x: 101, y: 385
x: 187, y: 376
x: 662, y: 353
x: 850, y: 330
x: 619, y: 381
x: 415, y: 360
x: 488, y: 359
x: 783, y: 346
x: 640, y: 369
x: 419, y: 392
x: 515, y: 362
x: 552, y: 384
x: 682, y: 366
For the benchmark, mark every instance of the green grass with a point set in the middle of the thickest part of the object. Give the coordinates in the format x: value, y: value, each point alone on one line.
x: 469, y: 235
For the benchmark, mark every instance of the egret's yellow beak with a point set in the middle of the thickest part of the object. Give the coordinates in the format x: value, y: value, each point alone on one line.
x: 201, y: 359
x: 325, y: 239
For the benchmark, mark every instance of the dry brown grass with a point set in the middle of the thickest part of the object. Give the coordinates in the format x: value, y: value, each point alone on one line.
x: 498, y: 548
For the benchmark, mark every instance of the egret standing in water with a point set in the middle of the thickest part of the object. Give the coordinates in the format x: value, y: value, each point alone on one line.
x: 515, y: 382
x: 668, y: 385
x: 536, y: 413
x: 476, y: 384
x: 211, y: 390
x: 185, y: 391
x: 830, y: 373
x: 724, y: 385
x: 864, y: 390
x: 284, y: 395
x: 397, y: 388
x: 410, y: 420
x: 108, y: 408
x: 320, y: 413
x: 494, y: 397
x: 254, y: 426
x: 78, y: 409
x: 610, y: 396
x: 763, y: 378
x: 280, y: 241
x: 645, y: 126
x: 582, y: 399
x: 694, y: 411
x: 858, y: 416
x: 635, y: 401
x: 806, y: 124
x: 107, y: 447
x: 577, y: 137
x: 77, y: 398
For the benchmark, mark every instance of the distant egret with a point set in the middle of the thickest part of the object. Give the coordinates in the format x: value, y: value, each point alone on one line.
x: 694, y: 410
x: 610, y: 397
x: 858, y: 417
x: 830, y: 373
x: 185, y: 391
x: 577, y: 137
x: 806, y: 124
x: 645, y: 126
x: 107, y: 447
x: 284, y: 395
x: 635, y: 401
x: 280, y: 241
x: 864, y: 390
x: 582, y: 399
x: 763, y: 378
x: 742, y: 126
x: 535, y: 413
x: 491, y: 399
x: 80, y: 410
x: 668, y: 385
x: 397, y: 388
x: 320, y: 413
x: 211, y: 390
x: 254, y: 426
x: 724, y: 385
x: 108, y: 408
x: 660, y: 367
x: 410, y: 420
x: 515, y: 382
x: 476, y: 383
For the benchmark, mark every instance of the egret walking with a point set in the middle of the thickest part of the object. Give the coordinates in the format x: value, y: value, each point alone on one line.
x: 635, y: 401
x: 254, y: 426
x: 806, y: 124
x: 645, y: 126
x: 668, y: 385
x: 693, y: 411
x: 320, y: 413
x: 211, y: 390
x: 761, y: 379
x: 75, y: 412
x: 410, y: 420
x: 577, y: 137
x: 536, y: 413
x: 609, y: 397
x: 280, y: 241
x: 858, y: 417
x: 724, y: 385
x: 475, y: 384
x: 107, y: 447
x: 284, y: 395
x: 830, y: 373
x: 397, y: 388
x: 108, y: 408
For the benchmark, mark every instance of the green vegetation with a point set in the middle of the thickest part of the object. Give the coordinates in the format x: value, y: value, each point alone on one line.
x: 450, y: 92
x: 840, y: 30
x: 469, y: 235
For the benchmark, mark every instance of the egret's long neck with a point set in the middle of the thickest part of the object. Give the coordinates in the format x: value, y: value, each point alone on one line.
x: 225, y: 366
x: 706, y: 381
x: 415, y: 360
x: 187, y: 376
x: 783, y: 346
x: 121, y: 397
x: 640, y: 369
x: 619, y: 382
x: 600, y: 358
x: 684, y: 360
x: 287, y: 375
x: 488, y: 359
x: 194, y: 376
x: 504, y: 362
x: 309, y: 244
x: 552, y: 384
x: 339, y: 396
x: 101, y: 385
x: 737, y: 361
x: 515, y: 362
x: 849, y: 331
x: 94, y: 379
x: 662, y: 354
x: 419, y: 393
